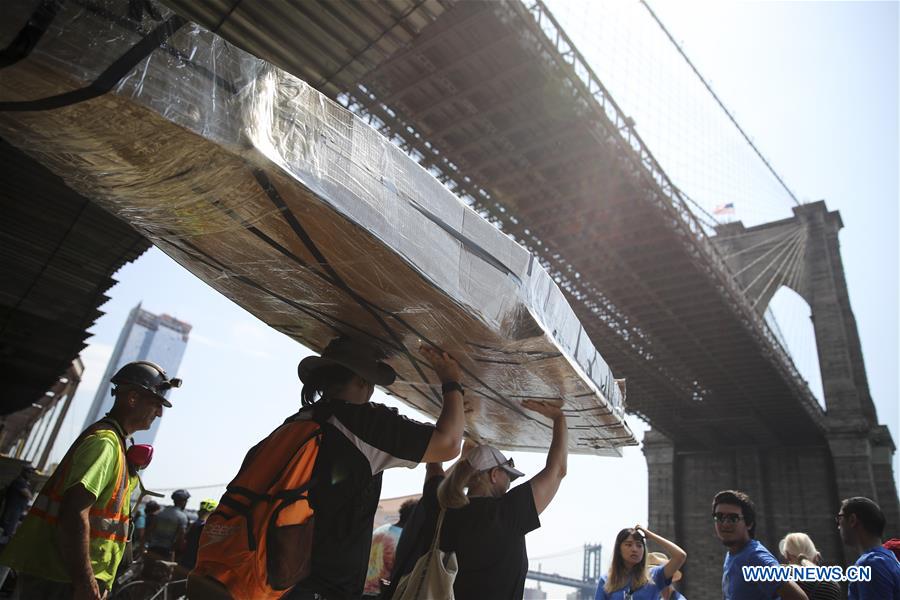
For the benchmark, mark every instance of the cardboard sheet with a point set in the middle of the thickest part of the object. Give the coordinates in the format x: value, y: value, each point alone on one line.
x: 292, y: 207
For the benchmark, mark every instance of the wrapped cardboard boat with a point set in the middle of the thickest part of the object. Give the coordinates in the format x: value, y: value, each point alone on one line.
x: 298, y: 211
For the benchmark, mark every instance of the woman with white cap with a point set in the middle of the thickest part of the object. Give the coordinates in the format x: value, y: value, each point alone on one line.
x: 658, y: 559
x: 486, y: 526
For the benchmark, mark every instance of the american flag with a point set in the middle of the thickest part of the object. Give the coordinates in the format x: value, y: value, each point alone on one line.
x: 724, y: 209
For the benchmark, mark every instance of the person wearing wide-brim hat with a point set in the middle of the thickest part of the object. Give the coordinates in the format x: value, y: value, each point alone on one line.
x: 658, y: 559
x: 361, y: 439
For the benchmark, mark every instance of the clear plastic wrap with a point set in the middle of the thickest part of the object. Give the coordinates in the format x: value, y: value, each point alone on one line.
x: 289, y: 205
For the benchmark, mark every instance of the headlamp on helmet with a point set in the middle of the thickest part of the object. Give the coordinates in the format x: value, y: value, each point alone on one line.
x: 145, y: 375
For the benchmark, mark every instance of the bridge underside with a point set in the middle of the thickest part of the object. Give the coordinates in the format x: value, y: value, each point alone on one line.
x: 484, y: 99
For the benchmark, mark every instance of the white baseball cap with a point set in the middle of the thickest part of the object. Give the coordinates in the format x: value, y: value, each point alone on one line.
x: 484, y: 458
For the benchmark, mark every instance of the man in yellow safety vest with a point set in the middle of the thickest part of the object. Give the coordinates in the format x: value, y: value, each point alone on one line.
x: 74, y: 537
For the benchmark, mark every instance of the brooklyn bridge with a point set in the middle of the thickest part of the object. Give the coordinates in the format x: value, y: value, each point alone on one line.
x: 496, y: 102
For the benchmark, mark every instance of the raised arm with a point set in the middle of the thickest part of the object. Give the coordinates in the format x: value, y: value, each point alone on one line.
x: 677, y: 555
x: 433, y: 470
x: 448, y: 429
x: 545, y: 484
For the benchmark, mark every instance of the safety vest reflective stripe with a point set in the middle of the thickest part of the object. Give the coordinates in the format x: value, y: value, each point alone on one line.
x: 43, y: 515
x: 108, y: 522
x: 114, y: 506
x: 50, y: 506
x: 110, y: 528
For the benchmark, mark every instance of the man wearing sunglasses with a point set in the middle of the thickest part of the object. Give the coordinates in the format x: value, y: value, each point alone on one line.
x: 735, y: 520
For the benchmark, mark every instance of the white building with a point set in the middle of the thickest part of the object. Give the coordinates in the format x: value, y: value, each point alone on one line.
x: 158, y: 338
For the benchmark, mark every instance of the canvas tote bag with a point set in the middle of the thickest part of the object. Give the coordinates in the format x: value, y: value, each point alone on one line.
x: 433, y: 576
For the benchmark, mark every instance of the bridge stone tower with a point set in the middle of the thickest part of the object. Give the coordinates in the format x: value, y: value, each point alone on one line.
x: 795, y: 488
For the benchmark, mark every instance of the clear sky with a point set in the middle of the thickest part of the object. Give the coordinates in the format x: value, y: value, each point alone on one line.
x: 814, y: 83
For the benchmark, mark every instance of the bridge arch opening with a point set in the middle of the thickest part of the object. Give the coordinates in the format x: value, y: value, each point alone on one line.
x: 789, y: 316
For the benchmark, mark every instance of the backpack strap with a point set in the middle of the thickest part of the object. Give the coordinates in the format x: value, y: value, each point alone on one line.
x: 304, y: 414
x: 319, y: 412
x: 242, y: 500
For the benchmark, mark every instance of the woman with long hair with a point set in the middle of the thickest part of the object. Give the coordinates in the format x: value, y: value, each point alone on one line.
x: 798, y: 549
x: 628, y: 577
x: 355, y: 440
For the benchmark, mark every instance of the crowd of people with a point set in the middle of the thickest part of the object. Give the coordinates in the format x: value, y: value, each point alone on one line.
x: 169, y: 533
x: 635, y: 573
x: 296, y: 522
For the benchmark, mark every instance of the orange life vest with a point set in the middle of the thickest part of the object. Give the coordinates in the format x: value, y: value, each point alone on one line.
x: 109, y: 522
x: 258, y: 542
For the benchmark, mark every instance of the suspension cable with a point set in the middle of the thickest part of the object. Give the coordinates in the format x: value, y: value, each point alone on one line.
x: 720, y: 103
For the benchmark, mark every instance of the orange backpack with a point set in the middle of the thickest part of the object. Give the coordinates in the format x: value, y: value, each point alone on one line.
x: 258, y: 542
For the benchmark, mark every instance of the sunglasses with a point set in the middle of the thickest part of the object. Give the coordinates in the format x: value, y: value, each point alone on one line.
x: 731, y: 518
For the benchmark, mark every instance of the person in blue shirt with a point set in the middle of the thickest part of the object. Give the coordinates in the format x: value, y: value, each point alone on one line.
x: 656, y: 559
x: 735, y: 521
x: 861, y: 524
x: 629, y: 577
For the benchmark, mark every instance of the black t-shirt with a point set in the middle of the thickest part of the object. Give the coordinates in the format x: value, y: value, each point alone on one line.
x: 360, y: 441
x: 488, y: 536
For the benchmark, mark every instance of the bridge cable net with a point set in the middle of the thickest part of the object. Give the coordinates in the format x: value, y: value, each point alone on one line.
x: 695, y: 138
x: 698, y: 141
